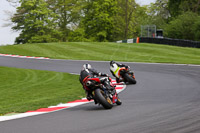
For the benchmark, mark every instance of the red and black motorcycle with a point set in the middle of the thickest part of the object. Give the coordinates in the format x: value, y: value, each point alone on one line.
x: 127, y: 75
x: 102, y: 94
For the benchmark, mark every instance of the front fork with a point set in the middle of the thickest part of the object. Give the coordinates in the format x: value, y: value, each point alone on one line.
x: 112, y: 94
x: 114, y: 98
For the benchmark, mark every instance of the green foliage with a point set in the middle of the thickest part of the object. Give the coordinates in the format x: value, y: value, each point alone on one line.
x: 141, y: 18
x: 68, y: 15
x: 128, y: 19
x: 179, y: 18
x: 34, y: 19
x: 196, y: 29
x: 185, y: 26
x: 178, y: 7
x: 98, y: 21
x: 77, y: 35
x: 101, y: 20
x: 43, y: 38
x: 158, y: 13
x: 174, y: 7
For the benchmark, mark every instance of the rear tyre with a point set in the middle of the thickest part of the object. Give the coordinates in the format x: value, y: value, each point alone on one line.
x: 129, y: 78
x: 105, y: 101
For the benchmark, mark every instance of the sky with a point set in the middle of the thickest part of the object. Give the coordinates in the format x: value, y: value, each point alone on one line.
x: 7, y: 36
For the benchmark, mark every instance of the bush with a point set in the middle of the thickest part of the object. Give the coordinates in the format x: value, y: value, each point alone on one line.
x: 185, y: 26
x: 196, y: 29
x: 78, y: 35
x: 42, y: 39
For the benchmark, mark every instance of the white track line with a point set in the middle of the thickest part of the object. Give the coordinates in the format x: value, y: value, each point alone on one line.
x: 19, y: 56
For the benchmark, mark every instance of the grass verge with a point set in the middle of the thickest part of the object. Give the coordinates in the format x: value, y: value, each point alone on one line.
x: 106, y: 51
x: 22, y: 90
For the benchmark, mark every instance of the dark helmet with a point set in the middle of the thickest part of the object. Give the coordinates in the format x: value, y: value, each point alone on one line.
x: 87, y: 66
x: 112, y: 62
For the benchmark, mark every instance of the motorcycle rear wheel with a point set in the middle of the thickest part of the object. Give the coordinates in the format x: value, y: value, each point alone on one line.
x: 129, y: 78
x: 105, y: 101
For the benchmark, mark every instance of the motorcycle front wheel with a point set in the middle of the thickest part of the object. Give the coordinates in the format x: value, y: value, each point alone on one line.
x: 119, y: 102
x: 105, y: 101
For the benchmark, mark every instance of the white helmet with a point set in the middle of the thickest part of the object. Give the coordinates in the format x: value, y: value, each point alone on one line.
x: 87, y: 66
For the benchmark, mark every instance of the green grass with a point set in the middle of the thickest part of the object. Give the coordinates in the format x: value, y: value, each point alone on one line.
x: 142, y: 52
x: 22, y: 90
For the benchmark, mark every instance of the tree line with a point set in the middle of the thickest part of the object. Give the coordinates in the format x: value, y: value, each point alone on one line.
x: 41, y: 21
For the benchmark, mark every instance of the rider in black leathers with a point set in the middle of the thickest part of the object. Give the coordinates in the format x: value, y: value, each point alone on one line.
x: 88, y: 72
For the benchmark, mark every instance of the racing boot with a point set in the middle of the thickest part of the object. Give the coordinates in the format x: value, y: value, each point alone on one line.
x: 89, y: 95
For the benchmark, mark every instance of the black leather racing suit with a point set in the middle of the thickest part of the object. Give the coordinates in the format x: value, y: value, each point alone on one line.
x: 91, y: 73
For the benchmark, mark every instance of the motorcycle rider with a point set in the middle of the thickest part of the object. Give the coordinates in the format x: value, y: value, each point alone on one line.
x: 88, y: 72
x: 114, y: 69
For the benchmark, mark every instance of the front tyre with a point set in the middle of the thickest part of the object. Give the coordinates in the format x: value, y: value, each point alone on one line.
x: 129, y: 78
x: 119, y: 102
x: 105, y: 101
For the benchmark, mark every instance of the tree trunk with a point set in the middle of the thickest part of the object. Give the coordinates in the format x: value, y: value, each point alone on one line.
x: 126, y: 20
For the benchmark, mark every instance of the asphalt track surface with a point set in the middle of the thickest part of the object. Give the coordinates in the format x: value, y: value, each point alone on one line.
x: 166, y: 99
